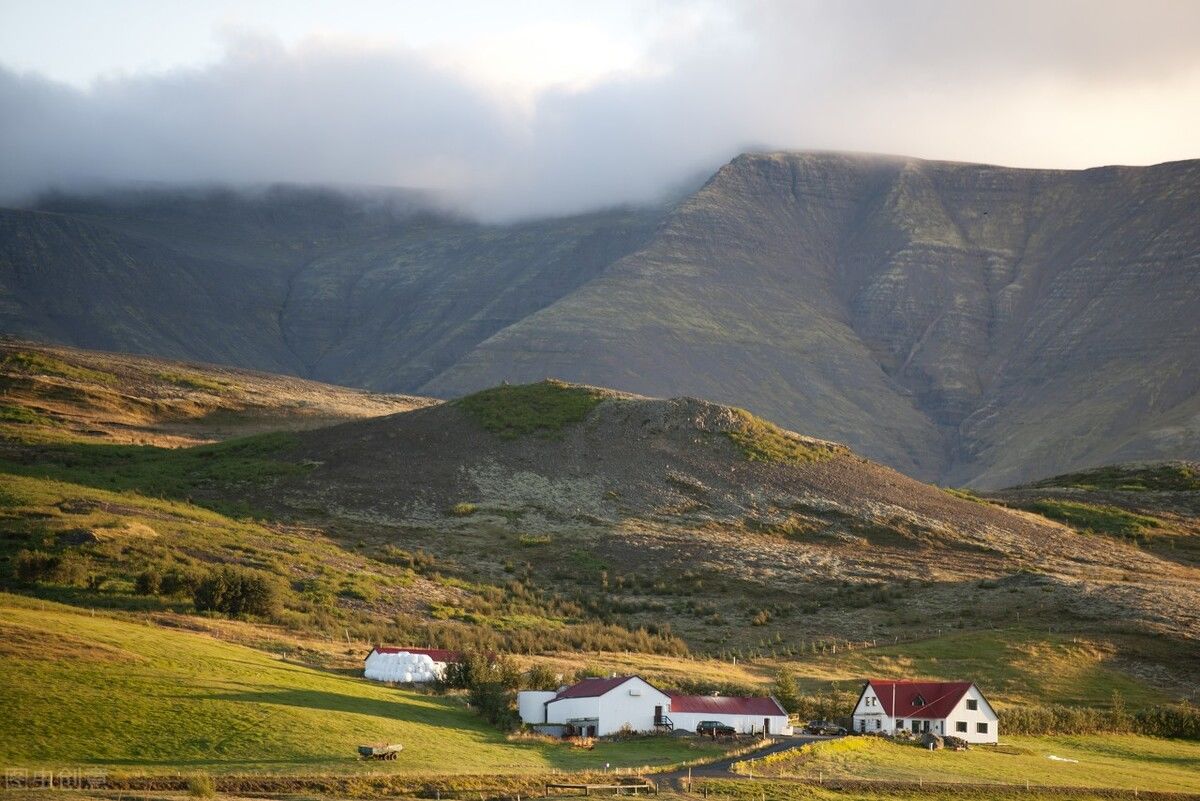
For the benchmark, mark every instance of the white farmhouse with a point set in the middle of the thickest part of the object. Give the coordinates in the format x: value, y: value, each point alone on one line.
x: 954, y: 708
x: 408, y: 665
x: 598, y: 707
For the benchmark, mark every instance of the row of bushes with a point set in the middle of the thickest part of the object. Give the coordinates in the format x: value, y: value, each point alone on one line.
x: 69, y: 569
x: 1170, y: 720
x: 230, y: 590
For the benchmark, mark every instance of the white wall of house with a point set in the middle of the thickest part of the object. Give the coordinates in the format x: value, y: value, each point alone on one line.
x: 869, y: 715
x: 531, y: 705
x: 742, y: 724
x: 629, y: 704
x: 982, y: 716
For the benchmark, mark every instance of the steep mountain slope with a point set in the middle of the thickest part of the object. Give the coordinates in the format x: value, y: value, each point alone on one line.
x: 961, y: 322
x: 372, y: 290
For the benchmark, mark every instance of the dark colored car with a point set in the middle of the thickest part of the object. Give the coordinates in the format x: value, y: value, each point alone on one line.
x: 715, y: 728
x: 824, y: 727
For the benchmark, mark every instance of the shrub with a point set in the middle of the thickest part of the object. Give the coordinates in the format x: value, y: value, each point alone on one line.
x: 180, y: 581
x: 491, y: 684
x: 235, y: 591
x: 72, y: 569
x: 201, y: 785
x: 463, y: 509
x: 541, y: 677
x: 33, y: 566
x: 149, y: 582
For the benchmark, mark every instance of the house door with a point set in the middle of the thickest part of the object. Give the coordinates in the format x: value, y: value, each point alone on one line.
x: 591, y: 731
x: 766, y: 725
x: 658, y: 716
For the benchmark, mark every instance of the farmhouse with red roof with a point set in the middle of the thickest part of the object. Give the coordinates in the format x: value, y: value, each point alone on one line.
x: 599, y: 706
x: 945, y: 708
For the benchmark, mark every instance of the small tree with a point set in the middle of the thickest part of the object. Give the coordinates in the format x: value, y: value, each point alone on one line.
x: 785, y: 690
x: 540, y: 677
x: 149, y: 582
x: 235, y: 591
x: 1120, y: 717
x: 31, y: 566
x: 72, y: 569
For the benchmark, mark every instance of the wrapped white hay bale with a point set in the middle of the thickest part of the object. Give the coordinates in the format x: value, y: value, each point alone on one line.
x: 404, y: 666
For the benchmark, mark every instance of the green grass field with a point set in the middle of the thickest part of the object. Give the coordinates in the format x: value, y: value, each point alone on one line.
x: 1114, y: 761
x: 85, y: 689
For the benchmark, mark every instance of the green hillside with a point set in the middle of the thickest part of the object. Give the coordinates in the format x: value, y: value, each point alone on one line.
x: 1093, y: 761
x: 90, y: 689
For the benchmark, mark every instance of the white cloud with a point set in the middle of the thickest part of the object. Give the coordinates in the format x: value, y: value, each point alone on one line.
x: 560, y: 116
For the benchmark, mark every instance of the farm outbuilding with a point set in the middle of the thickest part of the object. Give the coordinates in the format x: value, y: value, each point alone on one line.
x: 601, y: 706
x: 945, y: 708
x: 746, y: 714
x: 408, y: 665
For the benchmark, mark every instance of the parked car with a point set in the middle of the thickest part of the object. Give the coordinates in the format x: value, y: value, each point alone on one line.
x: 715, y: 728
x: 824, y: 727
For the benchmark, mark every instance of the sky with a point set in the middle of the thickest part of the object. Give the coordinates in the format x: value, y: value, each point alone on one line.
x: 514, y: 109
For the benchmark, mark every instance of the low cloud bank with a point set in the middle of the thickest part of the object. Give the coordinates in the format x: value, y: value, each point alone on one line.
x: 1071, y: 84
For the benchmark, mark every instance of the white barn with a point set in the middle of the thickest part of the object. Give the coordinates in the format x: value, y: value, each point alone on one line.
x: 746, y: 714
x: 945, y: 708
x: 408, y: 665
x: 598, y: 707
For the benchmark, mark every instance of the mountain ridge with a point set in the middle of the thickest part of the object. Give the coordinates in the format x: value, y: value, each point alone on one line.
x: 964, y: 323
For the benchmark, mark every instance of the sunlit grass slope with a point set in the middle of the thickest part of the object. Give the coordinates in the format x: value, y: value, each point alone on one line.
x: 1116, y: 761
x: 84, y: 689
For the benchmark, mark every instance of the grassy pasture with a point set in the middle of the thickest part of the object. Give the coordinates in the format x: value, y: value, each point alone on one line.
x: 1116, y: 761
x: 87, y: 689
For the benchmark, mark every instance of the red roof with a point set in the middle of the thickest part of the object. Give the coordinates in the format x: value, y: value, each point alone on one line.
x: 436, y: 654
x: 591, y: 688
x: 727, y: 704
x: 940, y: 697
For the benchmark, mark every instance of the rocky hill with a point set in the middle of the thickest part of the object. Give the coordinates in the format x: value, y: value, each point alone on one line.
x: 583, y: 487
x: 1154, y: 504
x: 963, y: 323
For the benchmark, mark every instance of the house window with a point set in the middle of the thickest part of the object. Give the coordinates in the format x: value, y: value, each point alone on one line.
x: 972, y: 704
x: 916, y: 726
x: 900, y: 723
x: 981, y: 728
x: 878, y: 723
x: 961, y: 726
